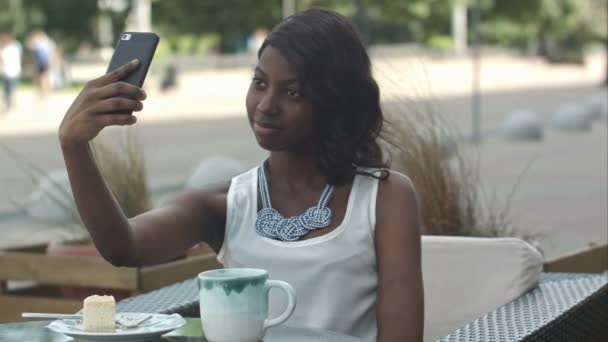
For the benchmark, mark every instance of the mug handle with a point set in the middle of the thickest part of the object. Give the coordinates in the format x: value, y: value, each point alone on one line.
x: 291, y: 302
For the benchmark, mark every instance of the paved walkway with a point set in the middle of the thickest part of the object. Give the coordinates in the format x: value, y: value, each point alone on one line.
x: 221, y: 93
x: 562, y: 196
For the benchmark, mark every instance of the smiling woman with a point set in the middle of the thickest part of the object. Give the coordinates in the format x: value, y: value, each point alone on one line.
x: 323, y: 212
x: 279, y: 116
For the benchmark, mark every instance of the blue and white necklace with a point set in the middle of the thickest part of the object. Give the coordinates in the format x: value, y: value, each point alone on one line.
x: 271, y: 224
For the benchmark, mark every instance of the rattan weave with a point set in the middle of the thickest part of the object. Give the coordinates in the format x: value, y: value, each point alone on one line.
x: 571, y: 308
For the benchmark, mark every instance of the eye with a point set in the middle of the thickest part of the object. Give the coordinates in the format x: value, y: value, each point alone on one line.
x: 293, y: 93
x: 259, y: 83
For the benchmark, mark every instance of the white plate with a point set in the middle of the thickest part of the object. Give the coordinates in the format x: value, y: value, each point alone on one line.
x: 156, y: 326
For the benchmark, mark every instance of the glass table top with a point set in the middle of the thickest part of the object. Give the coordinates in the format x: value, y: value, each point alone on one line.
x: 36, y: 331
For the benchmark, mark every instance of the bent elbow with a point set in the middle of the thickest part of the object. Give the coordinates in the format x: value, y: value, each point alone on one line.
x: 119, y: 260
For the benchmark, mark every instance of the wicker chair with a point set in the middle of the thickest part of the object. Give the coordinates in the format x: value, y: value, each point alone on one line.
x: 563, y: 307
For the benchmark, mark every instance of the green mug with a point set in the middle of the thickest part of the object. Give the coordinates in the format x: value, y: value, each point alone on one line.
x: 234, y: 304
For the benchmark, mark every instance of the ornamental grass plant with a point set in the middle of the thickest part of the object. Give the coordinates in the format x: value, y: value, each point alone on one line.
x: 442, y: 165
x: 121, y: 161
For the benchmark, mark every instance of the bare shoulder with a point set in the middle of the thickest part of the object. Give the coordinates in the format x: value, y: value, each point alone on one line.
x: 396, y: 206
x: 397, y: 187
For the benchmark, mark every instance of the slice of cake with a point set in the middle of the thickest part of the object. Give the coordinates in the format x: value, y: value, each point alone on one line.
x: 98, y: 314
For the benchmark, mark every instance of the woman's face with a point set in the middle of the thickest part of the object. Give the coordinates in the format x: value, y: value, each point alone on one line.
x: 280, y: 117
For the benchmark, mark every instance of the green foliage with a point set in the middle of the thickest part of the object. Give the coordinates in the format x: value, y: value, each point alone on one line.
x: 440, y: 43
x: 12, y: 16
x: 597, y: 14
x: 518, y: 23
x: 543, y: 22
x: 191, y: 26
x: 388, y: 21
x: 186, y: 44
x: 68, y: 22
x: 231, y: 20
x: 506, y: 33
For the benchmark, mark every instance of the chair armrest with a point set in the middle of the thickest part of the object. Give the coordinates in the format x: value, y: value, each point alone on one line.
x: 181, y: 298
x: 585, y: 321
x: 563, y: 307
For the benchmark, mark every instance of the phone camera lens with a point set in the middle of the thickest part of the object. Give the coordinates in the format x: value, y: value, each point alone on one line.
x: 126, y: 36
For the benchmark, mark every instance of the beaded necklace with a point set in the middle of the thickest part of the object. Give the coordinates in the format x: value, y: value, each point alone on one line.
x: 271, y: 224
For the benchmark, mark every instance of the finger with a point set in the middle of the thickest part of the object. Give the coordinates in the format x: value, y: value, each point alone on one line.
x: 116, y: 119
x: 118, y: 74
x: 117, y: 104
x: 119, y: 89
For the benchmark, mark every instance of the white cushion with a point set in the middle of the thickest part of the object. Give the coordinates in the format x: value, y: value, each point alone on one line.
x: 467, y: 277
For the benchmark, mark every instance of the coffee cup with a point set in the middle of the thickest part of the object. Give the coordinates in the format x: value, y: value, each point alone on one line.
x: 234, y: 304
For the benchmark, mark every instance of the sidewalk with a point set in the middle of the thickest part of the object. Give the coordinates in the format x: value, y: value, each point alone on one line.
x: 221, y: 93
x: 562, y: 195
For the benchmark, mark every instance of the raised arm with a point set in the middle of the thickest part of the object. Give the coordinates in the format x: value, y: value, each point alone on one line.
x: 149, y: 238
x: 400, y: 303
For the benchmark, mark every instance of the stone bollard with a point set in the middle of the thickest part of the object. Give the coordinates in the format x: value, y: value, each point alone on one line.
x: 572, y: 117
x: 597, y: 106
x: 214, y: 170
x: 522, y: 125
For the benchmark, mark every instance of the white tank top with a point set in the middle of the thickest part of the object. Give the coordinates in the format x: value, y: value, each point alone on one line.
x: 334, y: 275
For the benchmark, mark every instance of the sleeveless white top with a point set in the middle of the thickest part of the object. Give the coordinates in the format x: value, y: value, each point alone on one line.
x: 334, y: 275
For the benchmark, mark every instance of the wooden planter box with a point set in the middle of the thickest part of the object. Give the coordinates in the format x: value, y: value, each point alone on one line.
x: 48, y: 273
x: 592, y: 259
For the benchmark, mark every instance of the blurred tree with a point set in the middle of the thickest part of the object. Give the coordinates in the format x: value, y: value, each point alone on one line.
x: 233, y: 20
x: 68, y: 22
x: 12, y: 16
x: 389, y: 21
x: 531, y: 24
x: 596, y: 15
x: 547, y: 26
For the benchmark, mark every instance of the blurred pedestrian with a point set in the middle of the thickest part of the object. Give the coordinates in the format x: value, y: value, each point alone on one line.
x: 10, y: 67
x: 169, y: 80
x: 43, y: 49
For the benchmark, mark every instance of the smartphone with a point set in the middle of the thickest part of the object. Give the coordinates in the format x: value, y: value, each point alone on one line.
x: 131, y: 45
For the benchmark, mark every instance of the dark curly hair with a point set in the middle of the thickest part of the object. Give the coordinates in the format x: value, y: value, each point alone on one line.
x: 333, y: 69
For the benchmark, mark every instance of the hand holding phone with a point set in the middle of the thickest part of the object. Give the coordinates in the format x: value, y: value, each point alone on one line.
x: 134, y: 45
x: 111, y: 99
x: 104, y: 101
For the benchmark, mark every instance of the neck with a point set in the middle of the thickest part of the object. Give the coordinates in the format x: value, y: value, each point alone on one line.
x: 295, y: 171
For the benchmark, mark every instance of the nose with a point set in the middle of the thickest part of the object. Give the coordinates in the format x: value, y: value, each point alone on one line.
x: 268, y: 104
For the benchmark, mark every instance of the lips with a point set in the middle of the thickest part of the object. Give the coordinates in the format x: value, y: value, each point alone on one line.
x: 265, y: 129
x: 265, y: 125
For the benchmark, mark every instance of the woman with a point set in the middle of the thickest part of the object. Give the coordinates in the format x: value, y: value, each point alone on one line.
x: 323, y: 212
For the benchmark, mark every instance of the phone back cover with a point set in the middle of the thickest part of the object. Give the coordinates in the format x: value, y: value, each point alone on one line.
x: 141, y: 45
